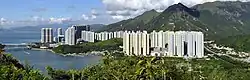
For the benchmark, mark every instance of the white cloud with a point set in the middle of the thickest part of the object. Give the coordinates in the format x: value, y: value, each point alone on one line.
x: 92, y: 16
x: 132, y: 8
x: 85, y: 17
x: 120, y: 17
x: 59, y: 20
x: 33, y: 21
x: 94, y: 12
x: 4, y: 21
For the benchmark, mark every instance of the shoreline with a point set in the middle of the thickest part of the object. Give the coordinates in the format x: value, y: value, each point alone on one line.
x: 95, y: 53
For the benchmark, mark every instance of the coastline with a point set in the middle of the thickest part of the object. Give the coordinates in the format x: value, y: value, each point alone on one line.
x: 93, y: 53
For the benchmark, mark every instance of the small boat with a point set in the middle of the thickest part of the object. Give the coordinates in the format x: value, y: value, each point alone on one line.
x: 26, y: 52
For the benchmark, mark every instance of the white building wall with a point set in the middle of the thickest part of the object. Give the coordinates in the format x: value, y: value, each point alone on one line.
x: 136, y: 43
x: 147, y: 43
x: 200, y: 45
x: 72, y: 40
x: 178, y: 38
x: 66, y: 37
x: 110, y: 35
x: 144, y: 44
x: 171, y: 45
x: 43, y: 35
x: 160, y: 39
x: 131, y: 42
x: 190, y: 44
x: 139, y: 34
x: 156, y: 39
x: 83, y: 35
x: 194, y: 47
x: 127, y: 43
x: 106, y: 35
x: 91, y: 37
x: 46, y: 35
x: 124, y: 46
x: 50, y: 35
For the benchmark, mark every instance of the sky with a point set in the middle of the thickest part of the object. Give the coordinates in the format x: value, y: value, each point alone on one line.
x: 14, y: 13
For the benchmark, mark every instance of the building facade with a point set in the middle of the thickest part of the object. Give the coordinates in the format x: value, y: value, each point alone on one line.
x: 73, y: 35
x: 168, y: 43
x: 136, y: 43
x: 102, y: 36
x: 46, y: 35
x: 88, y: 36
x: 78, y: 31
x: 60, y: 36
x: 70, y: 38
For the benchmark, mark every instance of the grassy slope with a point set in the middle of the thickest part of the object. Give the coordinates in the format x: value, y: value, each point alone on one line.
x: 112, y: 44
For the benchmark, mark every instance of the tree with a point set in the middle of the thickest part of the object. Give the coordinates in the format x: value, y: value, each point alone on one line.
x: 147, y: 68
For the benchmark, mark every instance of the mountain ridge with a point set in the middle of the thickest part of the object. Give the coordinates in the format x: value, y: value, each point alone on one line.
x: 216, y: 19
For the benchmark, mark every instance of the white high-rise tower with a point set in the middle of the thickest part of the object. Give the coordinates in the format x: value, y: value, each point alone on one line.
x: 46, y: 35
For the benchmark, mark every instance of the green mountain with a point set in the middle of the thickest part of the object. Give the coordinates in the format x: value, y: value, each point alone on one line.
x: 215, y: 19
x: 178, y: 17
x: 226, y: 18
x: 239, y: 42
x: 136, y: 23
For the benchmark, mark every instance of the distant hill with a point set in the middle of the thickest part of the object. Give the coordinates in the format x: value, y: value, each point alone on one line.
x: 215, y: 19
x: 94, y: 27
x: 226, y: 18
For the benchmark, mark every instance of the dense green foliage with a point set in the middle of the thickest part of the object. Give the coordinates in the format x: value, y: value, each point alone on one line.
x: 150, y: 68
x: 10, y: 72
x: 11, y: 69
x: 108, y: 45
x: 117, y: 66
x: 216, y: 19
x: 239, y: 43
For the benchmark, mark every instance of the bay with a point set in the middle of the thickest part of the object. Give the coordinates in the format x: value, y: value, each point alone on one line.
x: 41, y: 59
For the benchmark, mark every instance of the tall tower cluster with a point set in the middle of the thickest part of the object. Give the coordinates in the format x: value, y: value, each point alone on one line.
x: 70, y: 36
x: 60, y: 36
x: 136, y: 43
x: 108, y: 35
x: 168, y: 43
x: 73, y: 34
x: 46, y: 35
x: 88, y: 36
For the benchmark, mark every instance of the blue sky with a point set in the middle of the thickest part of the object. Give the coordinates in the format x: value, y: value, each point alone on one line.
x: 15, y: 13
x: 39, y: 12
x: 22, y: 9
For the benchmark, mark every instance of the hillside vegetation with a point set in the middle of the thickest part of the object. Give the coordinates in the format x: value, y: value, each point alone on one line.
x: 11, y: 69
x: 152, y: 68
x: 239, y: 42
x: 136, y: 23
x: 108, y: 45
x: 216, y: 19
x: 116, y: 66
